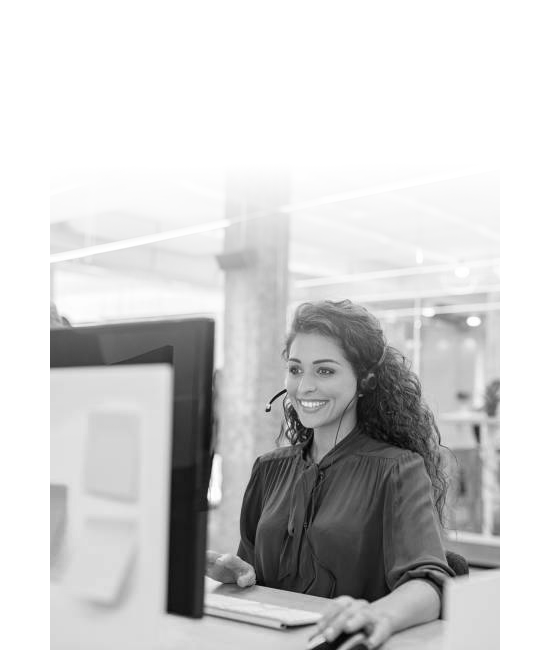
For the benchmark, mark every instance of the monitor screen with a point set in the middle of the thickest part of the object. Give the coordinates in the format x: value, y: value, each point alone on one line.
x: 131, y: 423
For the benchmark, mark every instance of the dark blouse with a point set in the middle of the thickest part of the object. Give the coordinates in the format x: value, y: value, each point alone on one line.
x: 360, y: 523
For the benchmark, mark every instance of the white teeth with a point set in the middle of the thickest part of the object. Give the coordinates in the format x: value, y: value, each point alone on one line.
x: 311, y: 405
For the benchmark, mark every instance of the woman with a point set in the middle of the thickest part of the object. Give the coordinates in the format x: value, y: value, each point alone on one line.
x: 352, y: 508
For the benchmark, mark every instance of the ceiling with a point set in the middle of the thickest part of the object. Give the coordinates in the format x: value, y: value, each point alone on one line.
x: 388, y: 235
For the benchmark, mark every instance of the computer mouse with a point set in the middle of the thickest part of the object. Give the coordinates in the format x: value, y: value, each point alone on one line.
x: 345, y: 641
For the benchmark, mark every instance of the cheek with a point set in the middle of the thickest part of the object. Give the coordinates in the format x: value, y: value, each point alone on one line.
x: 290, y: 384
x: 349, y: 390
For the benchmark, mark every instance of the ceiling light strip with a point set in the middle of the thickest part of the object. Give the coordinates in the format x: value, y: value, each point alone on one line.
x: 139, y: 241
x: 447, y: 309
x: 380, y: 189
x: 411, y: 295
x: 144, y: 240
x: 442, y: 215
x: 390, y: 273
x: 359, y: 233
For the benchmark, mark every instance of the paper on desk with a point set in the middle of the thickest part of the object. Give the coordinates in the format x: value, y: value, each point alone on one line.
x: 103, y: 560
x: 58, y: 518
x: 112, y: 455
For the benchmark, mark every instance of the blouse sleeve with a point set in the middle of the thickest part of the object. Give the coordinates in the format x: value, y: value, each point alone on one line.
x: 413, y: 547
x: 250, y: 514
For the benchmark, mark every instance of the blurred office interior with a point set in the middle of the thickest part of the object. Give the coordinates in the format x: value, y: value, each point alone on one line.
x: 417, y: 245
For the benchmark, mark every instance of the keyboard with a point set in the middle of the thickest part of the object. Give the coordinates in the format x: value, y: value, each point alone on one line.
x: 252, y: 611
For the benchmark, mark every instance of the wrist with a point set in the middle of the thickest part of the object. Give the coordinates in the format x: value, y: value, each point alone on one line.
x: 389, y: 618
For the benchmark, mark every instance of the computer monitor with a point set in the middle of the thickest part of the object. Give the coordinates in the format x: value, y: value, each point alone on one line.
x: 131, y: 450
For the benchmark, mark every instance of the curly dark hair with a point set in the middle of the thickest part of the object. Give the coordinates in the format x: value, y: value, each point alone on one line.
x: 391, y: 408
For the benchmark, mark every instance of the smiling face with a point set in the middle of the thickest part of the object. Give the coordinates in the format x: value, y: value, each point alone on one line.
x: 321, y: 384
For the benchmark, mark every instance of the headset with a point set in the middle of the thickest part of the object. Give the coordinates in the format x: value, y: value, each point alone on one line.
x: 268, y: 405
x: 369, y: 383
x: 364, y: 385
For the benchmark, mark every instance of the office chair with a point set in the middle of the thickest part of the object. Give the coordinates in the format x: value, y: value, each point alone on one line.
x: 457, y: 563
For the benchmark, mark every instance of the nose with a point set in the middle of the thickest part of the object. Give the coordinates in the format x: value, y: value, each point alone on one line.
x: 306, y: 384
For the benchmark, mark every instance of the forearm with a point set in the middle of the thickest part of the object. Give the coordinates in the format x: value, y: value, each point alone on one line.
x: 410, y: 604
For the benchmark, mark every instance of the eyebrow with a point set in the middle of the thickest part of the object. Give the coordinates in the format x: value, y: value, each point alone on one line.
x: 317, y: 361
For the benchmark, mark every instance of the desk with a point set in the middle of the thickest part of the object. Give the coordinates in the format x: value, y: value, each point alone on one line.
x: 212, y: 633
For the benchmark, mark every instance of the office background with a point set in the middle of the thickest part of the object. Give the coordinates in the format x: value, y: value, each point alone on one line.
x: 417, y: 244
x: 136, y: 85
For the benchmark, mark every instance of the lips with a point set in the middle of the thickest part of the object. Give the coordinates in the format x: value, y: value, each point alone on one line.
x: 311, y: 405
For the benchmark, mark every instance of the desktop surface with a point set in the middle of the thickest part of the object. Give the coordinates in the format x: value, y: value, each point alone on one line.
x: 212, y: 633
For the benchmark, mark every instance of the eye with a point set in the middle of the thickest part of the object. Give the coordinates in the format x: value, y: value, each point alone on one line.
x: 294, y: 370
x: 325, y: 371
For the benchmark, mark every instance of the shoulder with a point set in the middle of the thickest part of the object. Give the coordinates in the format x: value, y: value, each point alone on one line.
x: 385, y: 451
x: 281, y: 454
x: 393, y: 461
x: 275, y: 462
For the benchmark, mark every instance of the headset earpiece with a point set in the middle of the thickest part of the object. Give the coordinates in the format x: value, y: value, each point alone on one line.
x: 367, y: 384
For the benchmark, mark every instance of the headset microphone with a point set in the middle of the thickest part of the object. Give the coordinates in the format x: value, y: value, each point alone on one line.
x: 268, y: 405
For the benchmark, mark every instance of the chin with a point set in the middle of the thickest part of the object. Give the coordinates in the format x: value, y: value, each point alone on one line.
x: 310, y: 421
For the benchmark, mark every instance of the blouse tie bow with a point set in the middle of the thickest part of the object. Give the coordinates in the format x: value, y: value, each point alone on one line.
x: 299, y: 503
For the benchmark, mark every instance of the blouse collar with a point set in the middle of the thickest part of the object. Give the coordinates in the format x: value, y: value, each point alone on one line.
x: 354, y: 439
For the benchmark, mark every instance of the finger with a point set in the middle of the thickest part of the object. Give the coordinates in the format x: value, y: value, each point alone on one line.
x: 211, y: 556
x: 380, y: 632
x: 247, y: 579
x: 352, y: 618
x: 233, y: 562
x: 335, y: 609
x: 239, y: 566
x: 363, y: 617
x: 219, y: 570
x: 229, y: 566
x: 243, y: 572
x: 375, y: 640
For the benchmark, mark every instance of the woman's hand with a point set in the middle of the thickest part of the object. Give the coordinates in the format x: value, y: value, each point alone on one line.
x: 347, y: 614
x: 229, y: 568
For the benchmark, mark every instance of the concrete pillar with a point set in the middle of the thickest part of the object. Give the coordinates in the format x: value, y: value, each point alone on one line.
x: 255, y: 261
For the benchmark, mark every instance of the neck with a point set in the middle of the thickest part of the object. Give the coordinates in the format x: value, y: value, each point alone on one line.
x: 324, y: 438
